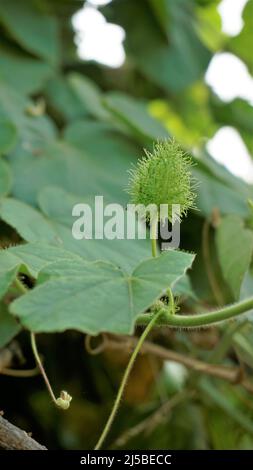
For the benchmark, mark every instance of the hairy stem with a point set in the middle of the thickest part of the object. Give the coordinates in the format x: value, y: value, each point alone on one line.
x: 125, y: 379
x: 200, y: 320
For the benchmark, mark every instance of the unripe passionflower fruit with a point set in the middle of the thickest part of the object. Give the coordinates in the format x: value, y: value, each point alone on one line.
x: 163, y: 177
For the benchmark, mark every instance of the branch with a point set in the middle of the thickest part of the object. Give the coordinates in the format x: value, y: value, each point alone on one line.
x: 234, y: 375
x: 13, y: 438
x: 151, y: 422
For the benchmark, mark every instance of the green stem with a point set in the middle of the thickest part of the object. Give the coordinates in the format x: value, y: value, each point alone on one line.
x: 171, y: 301
x: 203, y: 319
x: 225, y: 342
x: 153, y: 234
x: 125, y: 379
x: 64, y: 399
x: 20, y: 286
x: 41, y: 368
x: 208, y: 264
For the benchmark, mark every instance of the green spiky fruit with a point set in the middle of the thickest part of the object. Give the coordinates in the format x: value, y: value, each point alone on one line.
x: 163, y: 177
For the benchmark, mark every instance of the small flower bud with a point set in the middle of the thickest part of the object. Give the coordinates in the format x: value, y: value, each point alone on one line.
x: 64, y: 400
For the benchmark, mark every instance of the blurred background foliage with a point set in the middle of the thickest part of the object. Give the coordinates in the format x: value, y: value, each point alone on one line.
x: 73, y: 127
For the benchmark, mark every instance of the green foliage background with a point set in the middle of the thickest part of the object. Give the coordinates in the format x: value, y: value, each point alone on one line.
x: 69, y: 130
